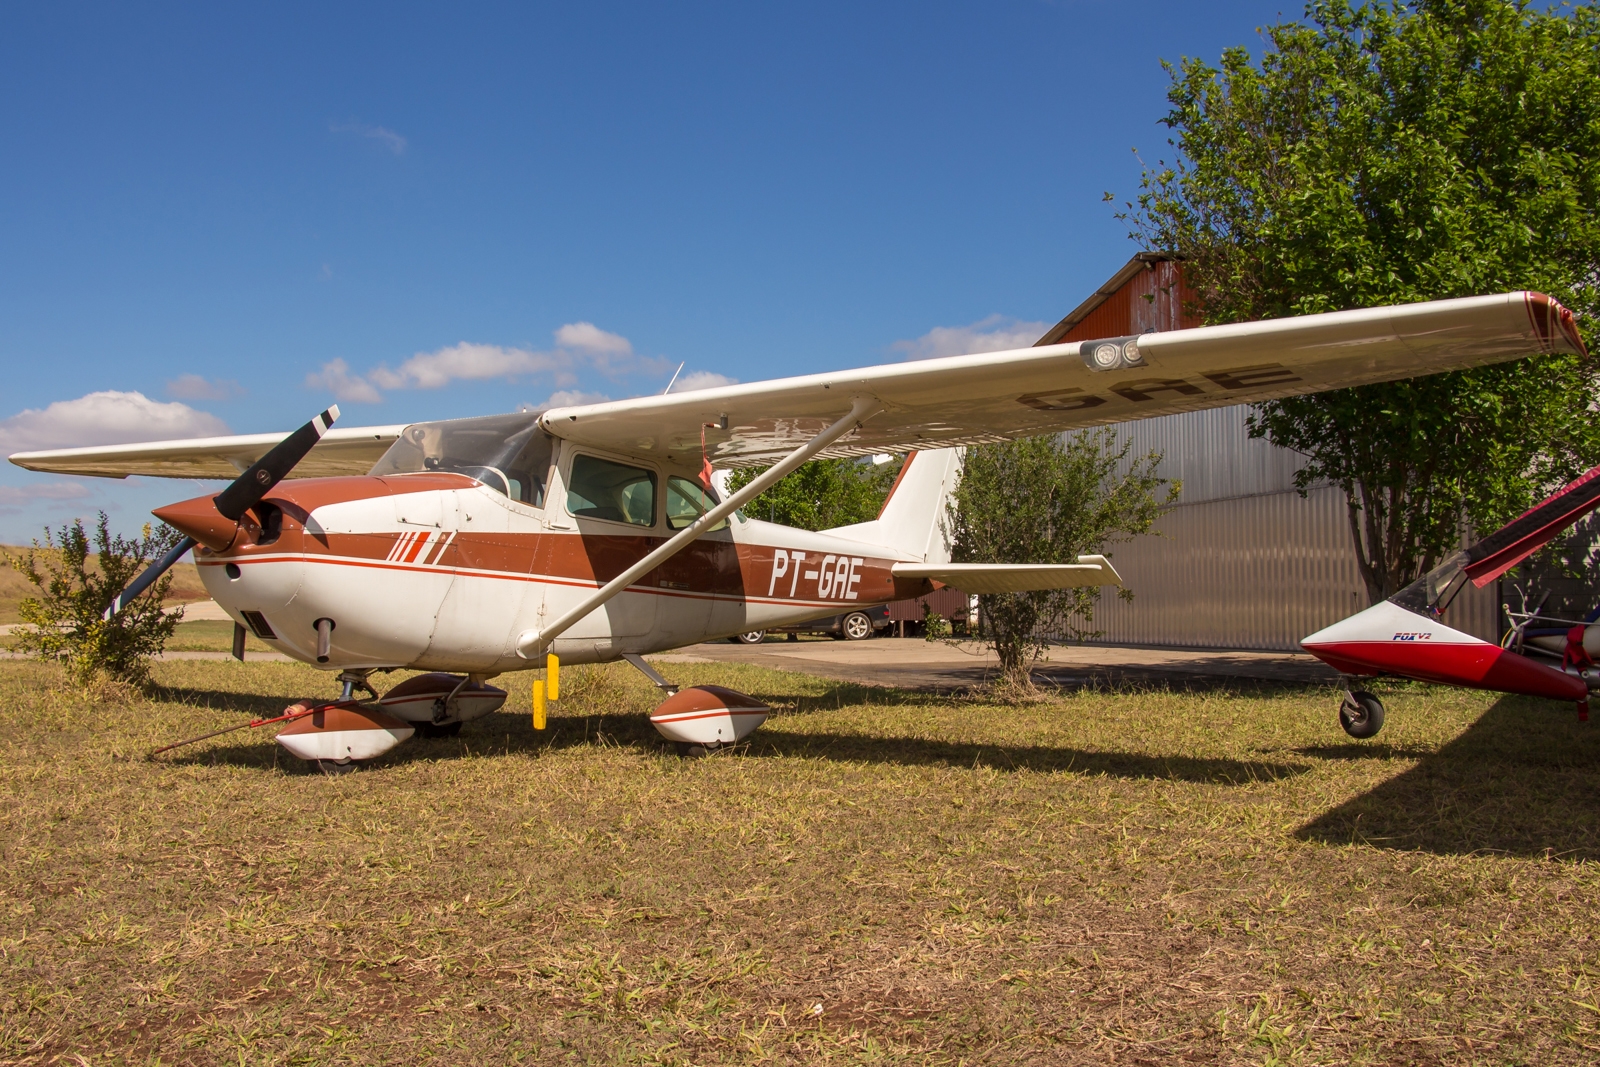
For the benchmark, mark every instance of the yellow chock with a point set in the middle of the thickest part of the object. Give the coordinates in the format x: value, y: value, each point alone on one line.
x: 552, y: 673
x: 538, y: 704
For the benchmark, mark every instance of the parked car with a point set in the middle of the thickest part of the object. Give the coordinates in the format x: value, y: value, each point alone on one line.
x: 855, y: 625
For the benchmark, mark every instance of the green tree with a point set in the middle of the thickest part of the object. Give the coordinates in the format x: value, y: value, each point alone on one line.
x: 1048, y: 500
x: 76, y: 586
x: 822, y: 494
x: 1391, y: 153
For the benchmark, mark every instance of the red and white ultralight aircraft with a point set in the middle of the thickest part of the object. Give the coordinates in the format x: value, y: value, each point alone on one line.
x: 1405, y: 635
x: 473, y: 547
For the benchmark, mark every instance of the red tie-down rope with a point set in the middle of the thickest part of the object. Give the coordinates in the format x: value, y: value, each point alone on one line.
x: 290, y: 714
x: 705, y: 460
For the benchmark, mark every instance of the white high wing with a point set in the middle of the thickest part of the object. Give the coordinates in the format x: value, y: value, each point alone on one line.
x: 477, y: 546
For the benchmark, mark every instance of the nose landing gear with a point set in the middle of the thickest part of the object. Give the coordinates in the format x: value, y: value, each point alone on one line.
x: 1361, y: 714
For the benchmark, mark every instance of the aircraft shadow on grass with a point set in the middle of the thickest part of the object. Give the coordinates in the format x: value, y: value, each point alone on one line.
x: 1524, y: 780
x: 510, y: 732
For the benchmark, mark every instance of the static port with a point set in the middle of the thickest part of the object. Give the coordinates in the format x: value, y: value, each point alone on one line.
x: 232, y: 571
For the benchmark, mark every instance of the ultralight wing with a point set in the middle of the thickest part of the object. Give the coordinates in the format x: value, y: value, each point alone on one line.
x: 963, y: 400
x: 1532, y: 530
x: 339, y: 452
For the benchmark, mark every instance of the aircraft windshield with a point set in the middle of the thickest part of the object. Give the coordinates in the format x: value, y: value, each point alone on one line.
x: 1431, y: 594
x: 508, y: 453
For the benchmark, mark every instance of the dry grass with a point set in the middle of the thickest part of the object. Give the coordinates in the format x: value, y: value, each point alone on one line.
x: 1142, y: 877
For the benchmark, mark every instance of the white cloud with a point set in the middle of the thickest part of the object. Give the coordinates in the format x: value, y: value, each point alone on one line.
x: 16, y: 497
x: 336, y: 378
x: 388, y: 138
x: 587, y: 337
x: 194, y: 387
x: 578, y: 345
x: 997, y: 333
x: 105, y: 418
x: 467, y: 362
x: 701, y: 379
x: 567, y: 398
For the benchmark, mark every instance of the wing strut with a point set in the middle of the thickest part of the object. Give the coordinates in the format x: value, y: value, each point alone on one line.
x: 533, y: 643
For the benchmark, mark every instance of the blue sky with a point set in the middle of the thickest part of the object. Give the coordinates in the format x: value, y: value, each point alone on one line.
x: 446, y: 210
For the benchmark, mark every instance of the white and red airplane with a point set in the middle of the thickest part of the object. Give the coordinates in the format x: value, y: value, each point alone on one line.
x: 473, y: 547
x: 1405, y: 636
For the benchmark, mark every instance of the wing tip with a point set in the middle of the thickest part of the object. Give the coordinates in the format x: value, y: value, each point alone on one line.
x: 1553, y: 323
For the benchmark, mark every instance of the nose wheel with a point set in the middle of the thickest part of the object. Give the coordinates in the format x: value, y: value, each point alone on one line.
x: 1361, y: 714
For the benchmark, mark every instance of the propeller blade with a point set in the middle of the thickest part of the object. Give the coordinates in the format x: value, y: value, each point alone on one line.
x: 242, y: 494
x: 246, y: 491
x: 148, y: 578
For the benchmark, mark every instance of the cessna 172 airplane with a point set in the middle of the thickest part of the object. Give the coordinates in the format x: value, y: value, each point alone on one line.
x: 472, y: 547
x: 1405, y: 635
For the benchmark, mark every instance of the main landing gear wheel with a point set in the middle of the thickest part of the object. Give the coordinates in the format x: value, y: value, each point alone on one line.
x: 754, y: 637
x: 432, y: 730
x: 331, y: 767
x: 687, y: 750
x: 1361, y: 714
x: 856, y: 626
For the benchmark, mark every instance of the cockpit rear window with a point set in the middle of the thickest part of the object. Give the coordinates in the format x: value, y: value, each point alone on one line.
x: 508, y: 453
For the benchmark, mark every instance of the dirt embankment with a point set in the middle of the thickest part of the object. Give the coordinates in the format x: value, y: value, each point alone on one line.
x: 14, y: 587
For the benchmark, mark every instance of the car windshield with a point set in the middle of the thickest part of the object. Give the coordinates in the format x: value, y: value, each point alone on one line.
x: 508, y: 453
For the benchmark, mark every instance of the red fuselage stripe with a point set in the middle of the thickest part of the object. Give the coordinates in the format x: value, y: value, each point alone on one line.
x: 687, y: 716
x: 504, y: 576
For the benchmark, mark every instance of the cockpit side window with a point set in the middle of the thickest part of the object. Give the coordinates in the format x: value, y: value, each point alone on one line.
x: 601, y: 489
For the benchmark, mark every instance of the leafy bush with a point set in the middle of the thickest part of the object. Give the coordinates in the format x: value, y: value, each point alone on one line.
x: 75, y: 588
x: 1048, y: 500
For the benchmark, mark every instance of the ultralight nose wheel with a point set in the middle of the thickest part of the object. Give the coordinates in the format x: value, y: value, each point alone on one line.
x: 1361, y: 714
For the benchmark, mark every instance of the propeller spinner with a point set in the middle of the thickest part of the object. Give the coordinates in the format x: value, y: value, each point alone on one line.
x: 215, y: 523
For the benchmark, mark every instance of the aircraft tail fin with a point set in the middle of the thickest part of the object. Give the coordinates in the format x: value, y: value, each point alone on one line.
x: 913, y: 522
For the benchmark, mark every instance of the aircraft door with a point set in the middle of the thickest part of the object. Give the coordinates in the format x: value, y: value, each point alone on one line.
x: 687, y: 580
x: 614, y: 506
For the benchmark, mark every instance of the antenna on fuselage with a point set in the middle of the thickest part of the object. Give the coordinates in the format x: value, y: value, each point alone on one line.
x: 674, y: 381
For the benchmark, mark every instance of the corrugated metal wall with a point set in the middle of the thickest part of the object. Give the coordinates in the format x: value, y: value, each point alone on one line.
x: 1242, y: 561
x: 1210, y: 453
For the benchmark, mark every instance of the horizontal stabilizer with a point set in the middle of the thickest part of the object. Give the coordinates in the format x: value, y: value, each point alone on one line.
x: 1014, y: 577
